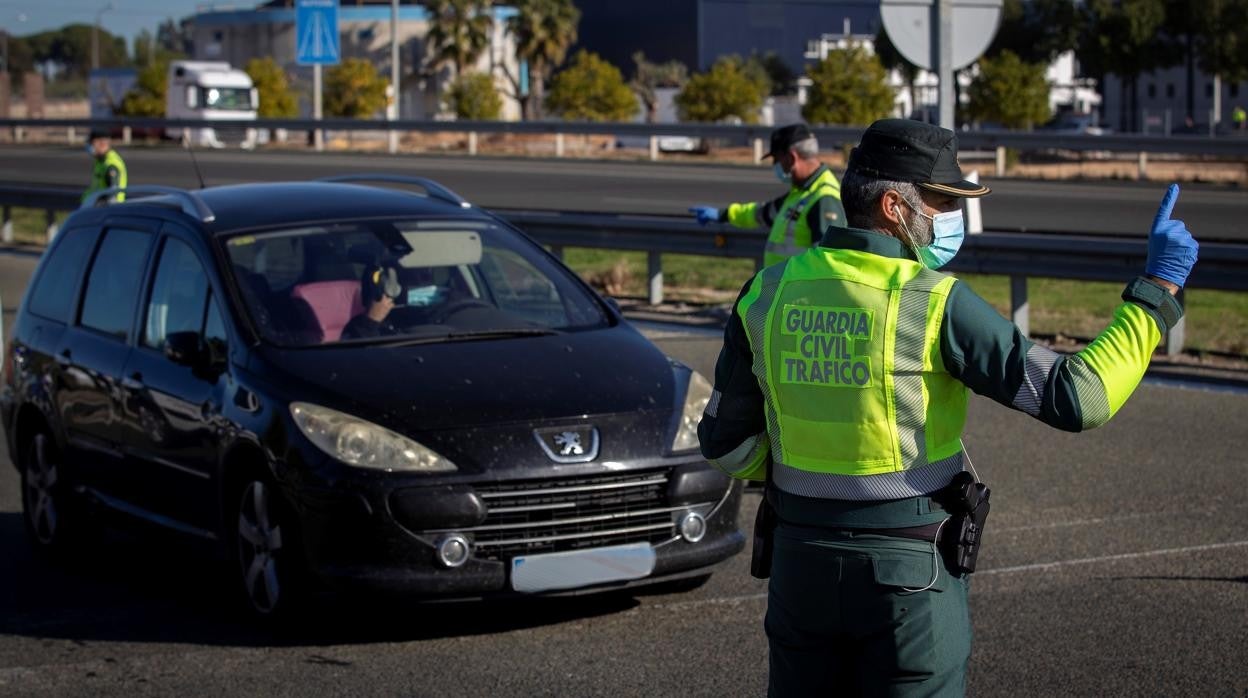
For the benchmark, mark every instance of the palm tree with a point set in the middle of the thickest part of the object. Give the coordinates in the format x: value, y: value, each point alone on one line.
x: 459, y: 30
x: 544, y: 30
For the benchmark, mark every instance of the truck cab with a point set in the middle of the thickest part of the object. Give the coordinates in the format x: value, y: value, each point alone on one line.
x: 211, y: 90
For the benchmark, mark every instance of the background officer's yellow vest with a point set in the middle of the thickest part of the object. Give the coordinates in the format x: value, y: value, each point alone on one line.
x: 790, y: 234
x: 847, y: 350
x: 99, y: 173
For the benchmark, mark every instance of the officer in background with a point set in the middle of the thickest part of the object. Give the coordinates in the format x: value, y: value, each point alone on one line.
x: 843, y: 381
x: 1240, y: 117
x: 812, y: 202
x: 109, y: 170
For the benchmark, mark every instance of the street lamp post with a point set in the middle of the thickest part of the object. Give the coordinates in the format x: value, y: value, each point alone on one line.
x: 95, y: 36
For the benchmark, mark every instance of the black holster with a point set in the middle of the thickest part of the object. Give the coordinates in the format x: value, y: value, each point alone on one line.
x: 764, y: 538
x: 967, y: 501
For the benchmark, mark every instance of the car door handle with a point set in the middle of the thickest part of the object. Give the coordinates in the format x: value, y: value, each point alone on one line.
x: 134, y: 381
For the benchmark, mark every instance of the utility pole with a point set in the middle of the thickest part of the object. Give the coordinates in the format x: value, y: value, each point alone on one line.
x: 95, y: 36
x: 392, y: 109
x: 942, y: 47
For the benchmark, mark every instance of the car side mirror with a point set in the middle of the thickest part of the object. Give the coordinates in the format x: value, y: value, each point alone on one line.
x: 613, y: 304
x: 185, y: 348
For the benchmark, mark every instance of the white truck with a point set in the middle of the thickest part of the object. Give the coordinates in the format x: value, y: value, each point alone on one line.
x: 211, y: 90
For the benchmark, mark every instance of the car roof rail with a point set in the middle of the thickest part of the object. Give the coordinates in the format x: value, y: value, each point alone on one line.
x: 432, y: 188
x: 192, y: 204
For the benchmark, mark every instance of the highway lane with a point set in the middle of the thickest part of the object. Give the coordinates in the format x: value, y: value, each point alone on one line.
x: 1102, y: 207
x: 1116, y: 563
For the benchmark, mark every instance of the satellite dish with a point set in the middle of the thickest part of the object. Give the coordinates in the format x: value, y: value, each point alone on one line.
x: 908, y: 23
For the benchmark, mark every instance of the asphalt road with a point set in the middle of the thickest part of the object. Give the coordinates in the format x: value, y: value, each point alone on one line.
x: 1116, y: 563
x: 1124, y: 208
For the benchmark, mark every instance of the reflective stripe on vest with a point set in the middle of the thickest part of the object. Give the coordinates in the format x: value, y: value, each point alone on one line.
x: 782, y: 242
x: 846, y: 349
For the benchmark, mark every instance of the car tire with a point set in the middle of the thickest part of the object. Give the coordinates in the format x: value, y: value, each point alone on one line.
x: 53, y: 516
x: 267, y: 564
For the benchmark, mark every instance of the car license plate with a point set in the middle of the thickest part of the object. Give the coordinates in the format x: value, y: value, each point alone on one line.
x: 578, y: 568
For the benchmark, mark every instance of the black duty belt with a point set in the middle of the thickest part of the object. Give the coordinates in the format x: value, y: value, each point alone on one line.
x: 926, y: 533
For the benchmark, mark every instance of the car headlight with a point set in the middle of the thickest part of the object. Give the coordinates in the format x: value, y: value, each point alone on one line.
x: 697, y: 394
x: 364, y: 444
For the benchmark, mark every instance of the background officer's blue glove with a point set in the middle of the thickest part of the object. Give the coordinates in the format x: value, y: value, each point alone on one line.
x: 705, y: 214
x: 1171, y: 248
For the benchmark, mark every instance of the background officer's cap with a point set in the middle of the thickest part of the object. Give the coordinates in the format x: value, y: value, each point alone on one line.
x: 903, y: 150
x: 784, y: 138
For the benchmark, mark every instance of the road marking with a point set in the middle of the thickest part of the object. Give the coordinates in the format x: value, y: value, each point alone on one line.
x: 1112, y: 558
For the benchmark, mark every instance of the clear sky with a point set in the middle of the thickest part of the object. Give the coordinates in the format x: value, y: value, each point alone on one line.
x: 126, y: 18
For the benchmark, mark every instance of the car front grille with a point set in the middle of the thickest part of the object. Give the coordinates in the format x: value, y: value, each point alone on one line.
x: 542, y: 516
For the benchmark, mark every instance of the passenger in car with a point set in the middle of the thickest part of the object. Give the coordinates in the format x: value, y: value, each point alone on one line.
x: 379, y: 287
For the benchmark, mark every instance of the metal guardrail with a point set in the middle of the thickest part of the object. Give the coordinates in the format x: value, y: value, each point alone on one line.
x: 1222, y: 266
x: 1227, y: 146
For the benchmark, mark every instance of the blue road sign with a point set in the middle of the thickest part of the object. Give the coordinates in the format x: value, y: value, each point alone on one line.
x: 316, y: 32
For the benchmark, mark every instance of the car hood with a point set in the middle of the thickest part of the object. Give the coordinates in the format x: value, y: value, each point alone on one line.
x: 457, y: 385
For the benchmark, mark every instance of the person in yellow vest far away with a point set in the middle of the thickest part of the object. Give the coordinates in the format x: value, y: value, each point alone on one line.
x: 1239, y: 117
x: 843, y: 384
x: 794, y: 219
x: 109, y: 170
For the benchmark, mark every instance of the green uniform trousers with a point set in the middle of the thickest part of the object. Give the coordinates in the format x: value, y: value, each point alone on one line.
x: 840, y: 623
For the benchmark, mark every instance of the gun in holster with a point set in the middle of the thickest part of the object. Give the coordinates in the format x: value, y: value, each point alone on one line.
x: 764, y: 537
x: 967, y: 500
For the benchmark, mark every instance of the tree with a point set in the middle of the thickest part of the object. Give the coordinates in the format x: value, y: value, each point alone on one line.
x: 147, y: 97
x: 1123, y: 37
x: 174, y: 37
x: 780, y: 79
x: 892, y: 59
x: 649, y: 77
x: 850, y: 86
x: 475, y: 97
x: 1010, y: 92
x: 459, y: 31
x: 354, y: 89
x: 1215, y: 38
x: 69, y: 48
x: 544, y: 30
x: 1037, y: 31
x: 726, y: 91
x: 277, y: 101
x: 591, y: 89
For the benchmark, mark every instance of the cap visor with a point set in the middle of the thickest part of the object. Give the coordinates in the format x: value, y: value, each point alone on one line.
x: 963, y: 188
x: 767, y: 155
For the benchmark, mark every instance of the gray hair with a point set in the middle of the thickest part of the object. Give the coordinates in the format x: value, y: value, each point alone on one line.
x: 807, y: 149
x: 861, y: 194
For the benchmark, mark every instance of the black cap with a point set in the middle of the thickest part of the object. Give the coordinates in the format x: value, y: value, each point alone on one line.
x: 98, y: 133
x: 786, y: 137
x: 903, y: 150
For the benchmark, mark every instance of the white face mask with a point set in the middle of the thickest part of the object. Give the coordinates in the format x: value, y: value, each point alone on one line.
x: 948, y: 232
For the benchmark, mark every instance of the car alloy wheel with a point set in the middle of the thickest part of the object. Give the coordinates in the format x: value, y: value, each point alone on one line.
x: 260, y: 553
x: 40, y: 503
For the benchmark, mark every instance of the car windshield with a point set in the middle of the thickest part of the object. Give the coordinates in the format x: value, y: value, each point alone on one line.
x: 404, y: 282
x: 227, y: 98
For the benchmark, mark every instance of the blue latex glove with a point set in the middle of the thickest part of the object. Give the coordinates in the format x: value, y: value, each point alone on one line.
x: 705, y: 214
x: 1171, y: 248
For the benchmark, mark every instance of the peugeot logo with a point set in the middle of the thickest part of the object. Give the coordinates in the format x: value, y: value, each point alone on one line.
x: 569, y: 444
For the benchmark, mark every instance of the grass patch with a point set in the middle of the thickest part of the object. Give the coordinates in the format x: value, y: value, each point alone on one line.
x: 30, y: 225
x: 1216, y: 320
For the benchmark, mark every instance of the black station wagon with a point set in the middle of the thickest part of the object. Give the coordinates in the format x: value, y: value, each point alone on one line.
x: 348, y: 385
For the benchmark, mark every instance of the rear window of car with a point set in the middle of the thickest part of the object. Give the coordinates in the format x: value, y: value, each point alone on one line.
x: 52, y: 295
x: 321, y: 285
x: 114, y: 281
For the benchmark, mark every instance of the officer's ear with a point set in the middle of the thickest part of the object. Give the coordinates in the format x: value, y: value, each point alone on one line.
x: 890, y: 207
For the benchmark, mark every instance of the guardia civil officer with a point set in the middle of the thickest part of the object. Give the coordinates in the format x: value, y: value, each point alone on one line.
x: 843, y: 381
x: 108, y: 170
x: 813, y: 199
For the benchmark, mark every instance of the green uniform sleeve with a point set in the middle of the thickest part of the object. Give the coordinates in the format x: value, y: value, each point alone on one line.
x: 733, y: 430
x: 826, y: 212
x: 753, y: 215
x: 1076, y: 392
